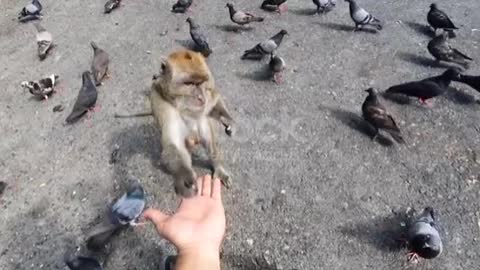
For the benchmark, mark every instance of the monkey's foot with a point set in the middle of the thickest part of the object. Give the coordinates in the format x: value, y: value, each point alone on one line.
x: 223, y: 176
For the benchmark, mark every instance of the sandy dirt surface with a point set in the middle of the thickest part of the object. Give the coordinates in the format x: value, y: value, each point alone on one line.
x: 311, y: 190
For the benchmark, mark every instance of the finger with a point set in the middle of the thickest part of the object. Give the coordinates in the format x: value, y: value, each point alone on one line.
x: 207, y: 186
x: 217, y: 189
x: 156, y: 217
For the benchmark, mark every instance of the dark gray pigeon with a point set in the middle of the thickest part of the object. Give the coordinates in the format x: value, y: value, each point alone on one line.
x: 277, y: 66
x: 427, y: 88
x: 42, y: 88
x: 361, y: 17
x: 240, y: 17
x: 472, y: 81
x: 44, y: 41
x: 87, y: 97
x: 111, y: 5
x: 82, y: 263
x: 377, y: 116
x: 423, y: 236
x: 199, y: 38
x: 275, y: 5
x: 265, y: 48
x: 181, y: 6
x: 31, y: 11
x: 442, y: 51
x: 324, y: 6
x: 125, y: 211
x: 99, y: 64
x: 439, y: 19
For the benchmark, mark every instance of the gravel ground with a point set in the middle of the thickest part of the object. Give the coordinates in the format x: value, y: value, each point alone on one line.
x: 311, y: 190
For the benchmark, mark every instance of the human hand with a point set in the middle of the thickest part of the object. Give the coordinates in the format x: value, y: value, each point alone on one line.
x: 199, y: 222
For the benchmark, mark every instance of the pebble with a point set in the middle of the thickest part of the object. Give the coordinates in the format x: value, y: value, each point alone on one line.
x: 250, y: 241
x: 283, y: 191
x: 148, y: 52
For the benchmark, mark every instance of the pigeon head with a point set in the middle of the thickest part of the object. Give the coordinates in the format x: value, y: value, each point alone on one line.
x: 426, y: 246
x: 284, y: 32
x: 452, y: 74
x: 94, y: 45
x: 433, y: 6
x: 136, y: 191
x: 371, y: 91
x: 86, y: 76
x: 229, y: 5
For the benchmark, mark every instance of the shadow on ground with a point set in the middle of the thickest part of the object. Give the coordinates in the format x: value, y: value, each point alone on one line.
x: 234, y: 28
x: 304, y: 11
x: 261, y: 74
x: 423, y: 61
x: 346, y: 28
x: 421, y: 29
x: 386, y: 234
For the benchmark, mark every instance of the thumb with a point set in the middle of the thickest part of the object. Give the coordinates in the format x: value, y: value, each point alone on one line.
x: 156, y: 217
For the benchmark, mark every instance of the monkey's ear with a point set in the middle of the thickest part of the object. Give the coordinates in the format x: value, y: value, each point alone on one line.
x: 163, y: 64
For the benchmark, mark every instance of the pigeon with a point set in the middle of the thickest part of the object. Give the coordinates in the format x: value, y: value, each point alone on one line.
x: 82, y: 263
x: 199, y: 38
x: 324, y: 6
x: 99, y: 64
x: 472, y: 81
x: 87, y: 97
x: 274, y: 5
x: 31, y: 11
x: 377, y: 116
x: 44, y: 41
x: 427, y: 88
x: 277, y: 65
x: 124, y: 212
x: 439, y: 19
x: 111, y: 5
x: 423, y: 236
x: 266, y: 47
x: 240, y: 17
x: 181, y: 6
x: 362, y: 18
x: 42, y: 88
x: 442, y: 51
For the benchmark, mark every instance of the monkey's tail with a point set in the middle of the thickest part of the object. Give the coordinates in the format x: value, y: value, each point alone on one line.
x: 142, y: 114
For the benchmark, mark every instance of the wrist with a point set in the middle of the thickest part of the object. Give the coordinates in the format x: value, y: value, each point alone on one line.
x: 201, y: 258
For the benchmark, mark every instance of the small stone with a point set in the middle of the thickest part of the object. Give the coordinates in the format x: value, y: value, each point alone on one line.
x: 250, y: 241
x: 148, y: 52
x: 283, y: 191
x: 84, y: 199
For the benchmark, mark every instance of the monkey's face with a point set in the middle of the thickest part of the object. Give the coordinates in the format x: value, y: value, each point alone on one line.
x: 196, y: 98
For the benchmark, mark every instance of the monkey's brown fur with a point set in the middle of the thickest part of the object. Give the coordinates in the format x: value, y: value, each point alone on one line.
x: 184, y: 101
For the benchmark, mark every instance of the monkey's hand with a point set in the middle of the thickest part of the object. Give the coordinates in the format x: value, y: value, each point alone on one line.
x: 185, y: 184
x: 223, y: 176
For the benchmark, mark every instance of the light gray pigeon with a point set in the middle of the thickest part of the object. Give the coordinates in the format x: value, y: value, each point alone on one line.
x: 44, y: 41
x: 124, y: 212
x: 423, y: 236
x: 266, y: 47
x: 442, y: 51
x: 42, y: 88
x: 324, y: 6
x: 361, y: 17
x: 277, y: 66
x: 199, y: 38
x: 240, y: 17
x: 31, y: 11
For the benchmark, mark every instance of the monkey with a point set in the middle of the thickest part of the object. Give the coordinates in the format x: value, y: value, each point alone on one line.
x: 184, y: 103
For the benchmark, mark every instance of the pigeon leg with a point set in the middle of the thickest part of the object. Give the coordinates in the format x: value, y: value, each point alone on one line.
x: 358, y: 27
x: 282, y: 8
x: 412, y: 257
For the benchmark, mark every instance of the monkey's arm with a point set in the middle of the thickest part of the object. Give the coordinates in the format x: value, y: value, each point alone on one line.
x: 220, y: 111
